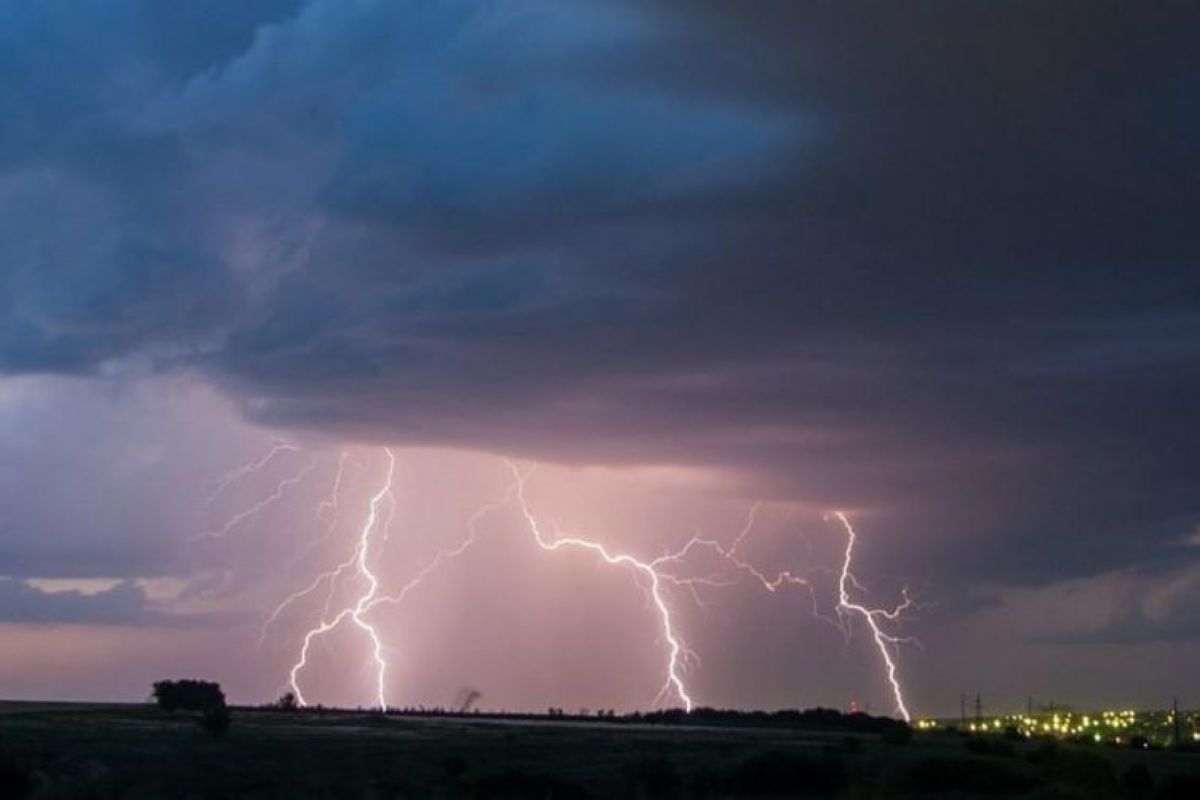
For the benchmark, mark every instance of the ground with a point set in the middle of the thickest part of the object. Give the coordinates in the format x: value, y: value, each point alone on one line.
x: 102, y: 751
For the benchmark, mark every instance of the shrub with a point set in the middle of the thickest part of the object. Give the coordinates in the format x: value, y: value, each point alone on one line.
x: 286, y: 702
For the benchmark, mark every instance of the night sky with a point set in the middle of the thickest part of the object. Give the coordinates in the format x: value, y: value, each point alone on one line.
x: 935, y: 264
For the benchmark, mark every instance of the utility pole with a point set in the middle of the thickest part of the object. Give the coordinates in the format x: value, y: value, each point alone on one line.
x: 978, y: 709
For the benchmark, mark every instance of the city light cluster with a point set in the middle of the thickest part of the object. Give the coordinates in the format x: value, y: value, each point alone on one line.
x: 1115, y: 726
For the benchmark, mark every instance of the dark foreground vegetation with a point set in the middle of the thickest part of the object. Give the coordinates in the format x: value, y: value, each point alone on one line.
x: 67, y: 751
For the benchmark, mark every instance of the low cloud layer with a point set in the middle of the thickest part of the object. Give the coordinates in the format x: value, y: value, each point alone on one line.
x: 125, y: 603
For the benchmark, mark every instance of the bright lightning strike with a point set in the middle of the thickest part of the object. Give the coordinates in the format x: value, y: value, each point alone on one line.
x: 355, y: 612
x: 884, y: 641
x: 654, y: 572
x: 677, y: 650
x: 874, y: 617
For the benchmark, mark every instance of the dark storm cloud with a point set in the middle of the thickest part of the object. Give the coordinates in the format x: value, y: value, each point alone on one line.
x: 934, y: 259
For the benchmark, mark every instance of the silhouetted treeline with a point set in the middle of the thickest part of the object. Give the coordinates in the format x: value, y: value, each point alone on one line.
x: 286, y: 702
x: 809, y: 719
x: 825, y: 719
x: 188, y: 695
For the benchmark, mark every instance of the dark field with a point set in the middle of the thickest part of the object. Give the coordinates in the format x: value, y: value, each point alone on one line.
x: 74, y: 750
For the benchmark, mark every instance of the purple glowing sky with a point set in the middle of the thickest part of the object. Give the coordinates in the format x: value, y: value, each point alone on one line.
x: 932, y: 264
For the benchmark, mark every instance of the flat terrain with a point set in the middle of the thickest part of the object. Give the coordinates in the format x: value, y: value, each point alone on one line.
x: 102, y: 751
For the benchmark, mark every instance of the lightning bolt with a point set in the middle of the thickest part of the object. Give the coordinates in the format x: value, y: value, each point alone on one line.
x: 327, y: 508
x: 330, y: 575
x: 237, y: 519
x: 884, y: 641
x: 356, y: 612
x: 653, y: 576
x: 745, y: 531
x: 846, y: 607
x: 236, y: 474
x: 770, y: 582
x: 443, y: 556
x: 677, y: 651
x: 327, y: 512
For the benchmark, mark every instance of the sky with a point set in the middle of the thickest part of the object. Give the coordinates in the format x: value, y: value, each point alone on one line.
x: 932, y: 264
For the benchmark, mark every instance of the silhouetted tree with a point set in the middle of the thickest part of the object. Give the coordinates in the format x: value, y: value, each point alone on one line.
x: 188, y: 695
x: 286, y: 702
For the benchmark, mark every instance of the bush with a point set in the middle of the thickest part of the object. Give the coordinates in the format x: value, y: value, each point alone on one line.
x: 188, y: 695
x: 286, y: 702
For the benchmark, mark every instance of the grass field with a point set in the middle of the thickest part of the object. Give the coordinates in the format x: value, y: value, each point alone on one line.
x: 83, y: 750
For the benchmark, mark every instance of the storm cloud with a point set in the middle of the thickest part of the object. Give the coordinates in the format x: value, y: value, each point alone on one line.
x: 933, y: 261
